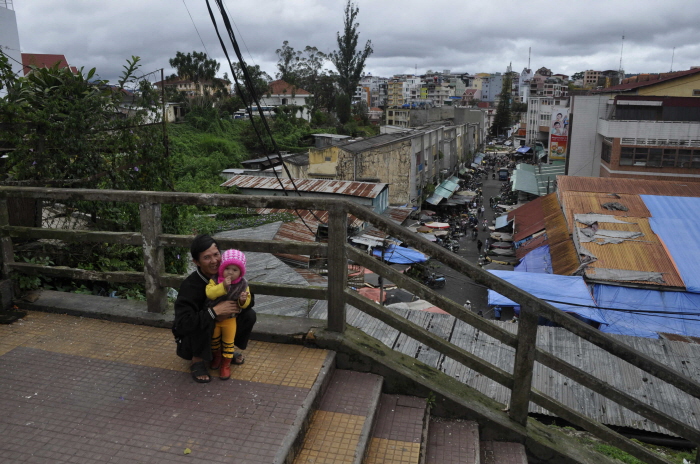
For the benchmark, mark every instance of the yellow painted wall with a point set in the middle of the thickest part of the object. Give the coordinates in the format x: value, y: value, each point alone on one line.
x: 323, y: 161
x: 682, y: 87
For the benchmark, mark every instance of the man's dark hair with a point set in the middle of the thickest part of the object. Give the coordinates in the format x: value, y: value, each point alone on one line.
x: 201, y: 243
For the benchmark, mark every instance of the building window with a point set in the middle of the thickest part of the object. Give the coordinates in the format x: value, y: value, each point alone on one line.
x: 696, y: 92
x: 669, y: 159
x: 605, y: 153
x: 654, y: 157
x: 626, y: 156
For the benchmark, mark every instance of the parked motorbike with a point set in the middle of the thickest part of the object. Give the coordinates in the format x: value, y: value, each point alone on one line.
x: 435, y: 280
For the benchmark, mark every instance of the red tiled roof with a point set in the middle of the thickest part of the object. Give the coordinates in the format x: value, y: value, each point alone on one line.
x: 281, y: 87
x: 645, y: 80
x: 42, y: 61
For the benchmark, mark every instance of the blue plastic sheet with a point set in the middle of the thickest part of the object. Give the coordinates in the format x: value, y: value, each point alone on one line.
x: 644, y: 313
x: 400, y: 255
x: 538, y: 261
x: 568, y: 293
x: 676, y: 220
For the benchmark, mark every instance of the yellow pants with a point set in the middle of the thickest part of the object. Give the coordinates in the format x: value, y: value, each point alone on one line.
x: 224, y: 334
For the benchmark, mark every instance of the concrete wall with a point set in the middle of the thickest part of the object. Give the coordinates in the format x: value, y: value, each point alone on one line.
x: 390, y: 164
x: 585, y: 143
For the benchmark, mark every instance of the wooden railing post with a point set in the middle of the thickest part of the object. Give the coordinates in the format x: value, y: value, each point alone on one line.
x: 6, y: 252
x: 337, y: 267
x: 153, y: 257
x: 524, y: 363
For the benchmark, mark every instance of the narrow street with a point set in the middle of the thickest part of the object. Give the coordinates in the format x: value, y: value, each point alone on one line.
x: 459, y: 287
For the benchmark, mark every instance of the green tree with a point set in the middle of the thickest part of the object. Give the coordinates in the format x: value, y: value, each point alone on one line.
x: 503, y: 119
x: 578, y: 75
x: 347, y: 59
x: 261, y: 82
x: 196, y: 66
x: 288, y: 64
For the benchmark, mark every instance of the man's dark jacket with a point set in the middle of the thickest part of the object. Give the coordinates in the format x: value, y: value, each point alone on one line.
x: 194, y: 323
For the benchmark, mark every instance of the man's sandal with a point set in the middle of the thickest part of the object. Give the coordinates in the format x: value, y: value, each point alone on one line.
x: 238, y: 358
x: 199, y: 369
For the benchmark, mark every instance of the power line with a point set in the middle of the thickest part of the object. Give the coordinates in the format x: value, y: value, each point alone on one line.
x: 249, y: 84
x: 195, y: 27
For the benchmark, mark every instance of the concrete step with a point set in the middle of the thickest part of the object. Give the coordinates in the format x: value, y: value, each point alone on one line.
x: 452, y: 442
x: 500, y: 452
x: 400, y: 431
x: 340, y: 428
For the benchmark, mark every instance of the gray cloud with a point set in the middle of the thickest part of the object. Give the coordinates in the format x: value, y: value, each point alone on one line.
x: 476, y: 37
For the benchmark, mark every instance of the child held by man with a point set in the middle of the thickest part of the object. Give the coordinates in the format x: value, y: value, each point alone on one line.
x: 234, y: 287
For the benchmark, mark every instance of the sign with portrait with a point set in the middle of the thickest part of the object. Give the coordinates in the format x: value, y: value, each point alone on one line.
x: 558, y: 133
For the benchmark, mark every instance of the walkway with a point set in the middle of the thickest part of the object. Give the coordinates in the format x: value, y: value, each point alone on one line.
x: 80, y: 390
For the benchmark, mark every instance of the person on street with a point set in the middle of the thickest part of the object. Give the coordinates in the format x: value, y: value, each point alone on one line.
x: 468, y: 305
x: 479, y: 244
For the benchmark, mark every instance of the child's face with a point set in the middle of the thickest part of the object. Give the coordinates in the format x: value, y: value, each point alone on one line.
x: 232, y: 271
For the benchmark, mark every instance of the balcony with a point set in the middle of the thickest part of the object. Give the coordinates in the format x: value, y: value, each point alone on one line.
x: 659, y: 133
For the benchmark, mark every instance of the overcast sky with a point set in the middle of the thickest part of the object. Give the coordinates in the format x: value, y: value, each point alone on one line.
x: 407, y: 35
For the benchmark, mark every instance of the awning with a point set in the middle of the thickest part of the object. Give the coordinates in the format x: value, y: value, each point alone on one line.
x: 524, y: 149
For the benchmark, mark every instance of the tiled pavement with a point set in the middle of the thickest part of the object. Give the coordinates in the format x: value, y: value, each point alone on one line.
x: 398, y: 432
x: 76, y: 390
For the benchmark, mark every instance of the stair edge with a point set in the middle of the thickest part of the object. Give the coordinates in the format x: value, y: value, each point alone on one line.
x: 293, y: 440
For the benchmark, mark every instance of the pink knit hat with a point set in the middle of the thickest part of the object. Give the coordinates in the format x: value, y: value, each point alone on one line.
x: 230, y: 257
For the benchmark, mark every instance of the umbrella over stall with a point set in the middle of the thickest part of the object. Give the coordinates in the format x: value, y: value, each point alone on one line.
x: 438, y: 225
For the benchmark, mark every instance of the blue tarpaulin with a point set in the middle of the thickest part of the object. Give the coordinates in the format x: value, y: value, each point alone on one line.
x: 676, y: 220
x: 644, y: 313
x: 400, y: 255
x: 479, y: 158
x: 538, y: 260
x: 568, y: 293
x: 524, y: 149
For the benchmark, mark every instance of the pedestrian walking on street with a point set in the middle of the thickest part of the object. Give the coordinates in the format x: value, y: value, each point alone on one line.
x: 482, y: 210
x: 478, y: 246
x: 468, y: 305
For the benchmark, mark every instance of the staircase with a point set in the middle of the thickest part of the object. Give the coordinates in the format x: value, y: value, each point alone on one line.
x: 356, y: 423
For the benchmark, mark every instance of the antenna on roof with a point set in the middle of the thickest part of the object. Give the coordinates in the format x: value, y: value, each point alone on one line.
x: 622, y: 47
x: 529, y: 54
x: 673, y: 55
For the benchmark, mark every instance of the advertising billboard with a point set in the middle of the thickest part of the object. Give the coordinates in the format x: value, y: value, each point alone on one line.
x: 558, y: 133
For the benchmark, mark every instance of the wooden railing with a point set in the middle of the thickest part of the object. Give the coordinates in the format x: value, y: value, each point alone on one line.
x: 338, y: 252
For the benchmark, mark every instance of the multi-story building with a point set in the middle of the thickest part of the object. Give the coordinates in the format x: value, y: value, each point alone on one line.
x: 648, y: 127
x: 523, y: 93
x: 372, y: 90
x: 408, y: 161
x: 539, y: 118
x: 640, y: 137
x: 590, y: 78
x: 9, y: 36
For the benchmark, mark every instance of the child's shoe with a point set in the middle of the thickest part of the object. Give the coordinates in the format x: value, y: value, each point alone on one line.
x: 225, y: 369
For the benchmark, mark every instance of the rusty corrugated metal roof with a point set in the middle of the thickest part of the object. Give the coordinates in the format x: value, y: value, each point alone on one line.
x: 339, y: 187
x: 645, y: 254
x: 302, y: 229
x: 628, y: 186
x: 592, y: 202
x: 529, y: 218
x: 565, y: 260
